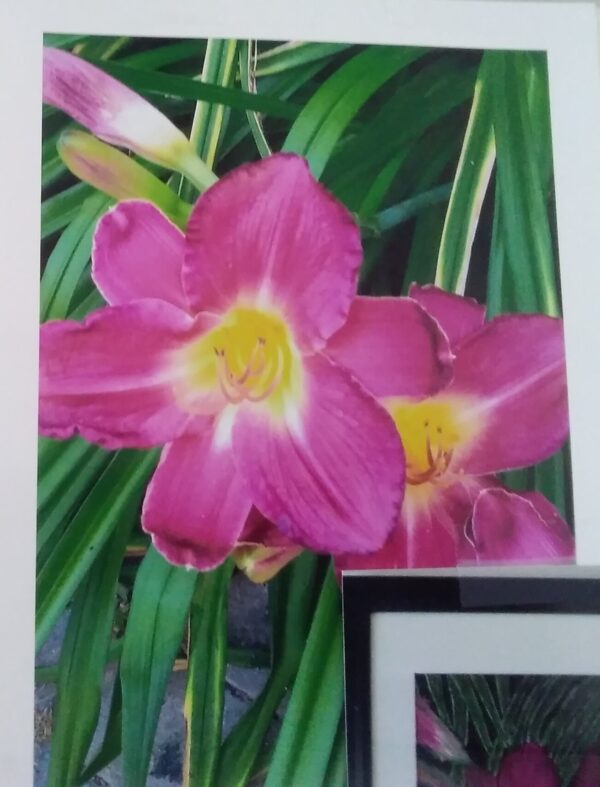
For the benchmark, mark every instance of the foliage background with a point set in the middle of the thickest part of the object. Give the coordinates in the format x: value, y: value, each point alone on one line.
x: 445, y: 158
x: 491, y: 714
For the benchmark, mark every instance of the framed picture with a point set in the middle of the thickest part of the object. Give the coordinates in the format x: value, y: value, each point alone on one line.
x: 276, y: 291
x: 472, y: 679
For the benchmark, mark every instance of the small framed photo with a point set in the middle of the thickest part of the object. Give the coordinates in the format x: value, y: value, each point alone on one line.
x: 472, y: 680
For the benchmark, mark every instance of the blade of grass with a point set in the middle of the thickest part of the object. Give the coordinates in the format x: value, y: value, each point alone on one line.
x: 204, y: 694
x: 468, y: 191
x: 82, y: 662
x: 159, y: 607
x: 114, y: 497
x: 304, y: 746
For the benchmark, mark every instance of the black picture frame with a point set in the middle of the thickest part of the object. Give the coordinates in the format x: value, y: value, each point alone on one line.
x: 364, y: 596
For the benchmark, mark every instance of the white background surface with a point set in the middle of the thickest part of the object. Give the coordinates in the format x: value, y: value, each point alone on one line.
x: 567, y: 30
x: 406, y: 644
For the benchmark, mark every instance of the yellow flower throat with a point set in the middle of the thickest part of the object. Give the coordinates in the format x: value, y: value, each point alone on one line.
x: 431, y: 431
x: 248, y: 356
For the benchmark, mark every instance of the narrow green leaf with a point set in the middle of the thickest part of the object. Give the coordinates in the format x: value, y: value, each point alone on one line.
x: 468, y: 191
x: 114, y: 497
x: 159, y: 607
x: 155, y: 82
x: 75, y: 472
x: 461, y: 687
x: 292, y: 600
x: 210, y: 119
x: 82, y: 662
x: 62, y: 208
x: 161, y: 56
x: 69, y: 259
x: 293, y: 54
x: 247, y: 63
x: 307, y: 736
x: 409, y: 208
x: 337, y: 774
x: 73, y: 452
x: 62, y: 40
x: 92, y: 301
x: 204, y: 695
x: 524, y: 215
x: 110, y: 748
x: 326, y: 116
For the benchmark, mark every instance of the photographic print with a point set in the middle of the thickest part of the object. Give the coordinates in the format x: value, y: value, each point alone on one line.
x: 511, y: 730
x: 300, y: 313
x: 473, y: 677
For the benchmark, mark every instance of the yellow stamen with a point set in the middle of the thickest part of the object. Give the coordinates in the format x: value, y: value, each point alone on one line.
x: 249, y: 356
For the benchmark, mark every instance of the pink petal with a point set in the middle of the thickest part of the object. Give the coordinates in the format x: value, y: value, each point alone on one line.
x: 259, y: 530
x: 269, y: 232
x: 513, y: 371
x: 109, y: 109
x: 525, y: 527
x: 435, y: 736
x: 393, y: 347
x: 137, y: 253
x: 196, y: 503
x: 458, y: 316
x: 475, y: 777
x: 588, y: 774
x: 529, y: 765
x: 430, y: 532
x: 108, y: 378
x: 331, y: 475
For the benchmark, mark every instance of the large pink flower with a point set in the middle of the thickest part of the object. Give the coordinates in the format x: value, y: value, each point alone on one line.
x: 216, y: 344
x: 506, y: 407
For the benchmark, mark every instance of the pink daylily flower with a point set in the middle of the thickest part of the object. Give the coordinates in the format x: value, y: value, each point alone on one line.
x: 506, y: 407
x: 530, y: 765
x: 215, y: 343
x: 117, y: 114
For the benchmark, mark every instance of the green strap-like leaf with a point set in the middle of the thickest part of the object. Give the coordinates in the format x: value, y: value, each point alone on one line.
x: 304, y: 746
x: 204, y: 695
x: 110, y: 747
x: 155, y: 82
x: 69, y: 259
x: 115, y: 496
x: 248, y: 80
x: 82, y: 662
x: 159, y: 607
x: 292, y: 599
x: 326, y: 116
x: 525, y: 225
x: 468, y: 191
x: 210, y: 119
x: 293, y: 54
